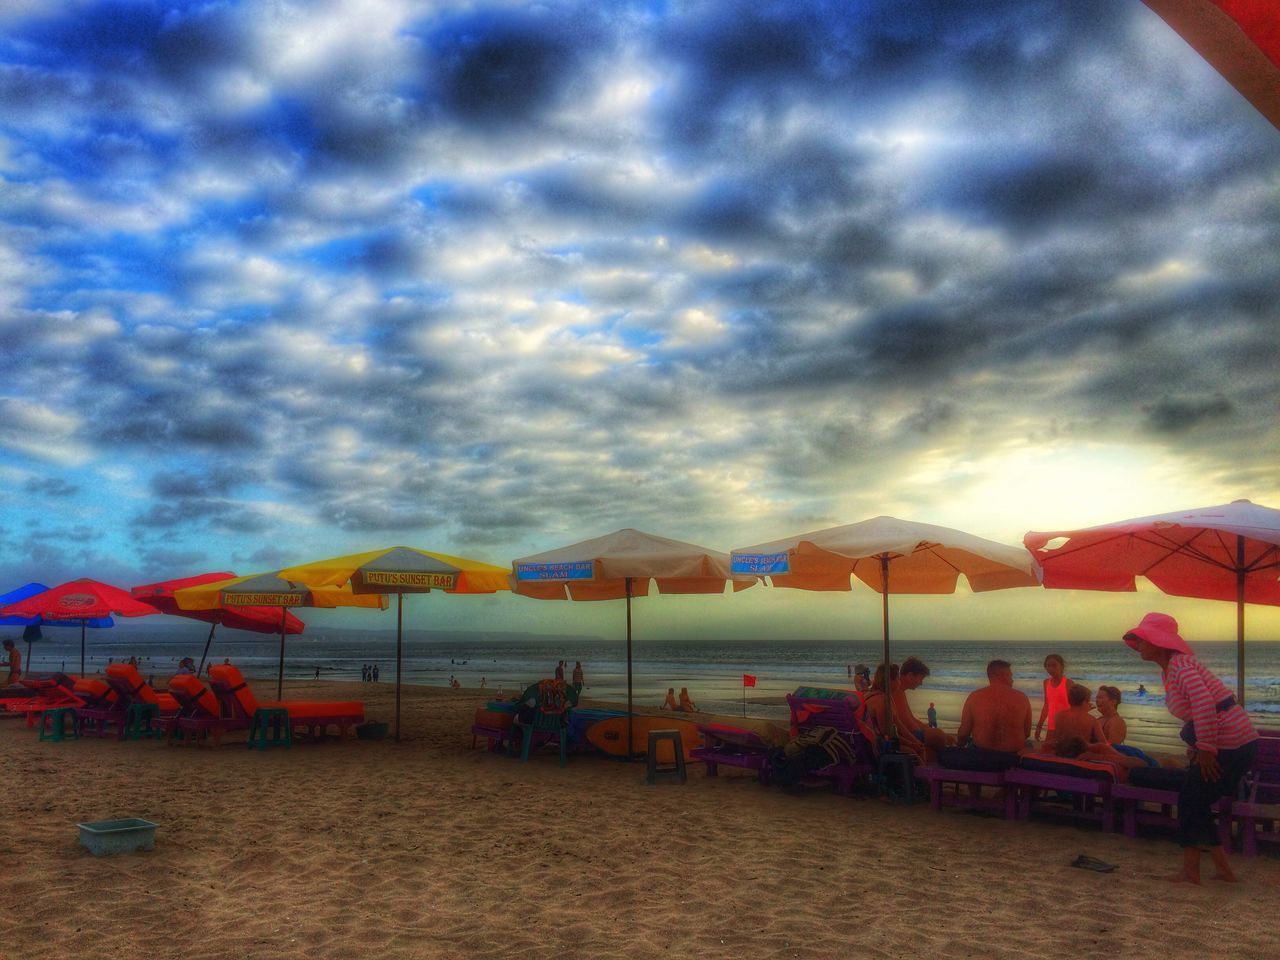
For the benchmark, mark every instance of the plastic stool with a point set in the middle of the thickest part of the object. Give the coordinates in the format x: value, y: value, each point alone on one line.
x: 53, y: 724
x: 137, y: 721
x: 654, y: 771
x: 270, y: 728
x: 893, y: 769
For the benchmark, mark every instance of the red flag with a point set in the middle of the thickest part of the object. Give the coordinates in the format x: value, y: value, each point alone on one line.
x: 748, y: 680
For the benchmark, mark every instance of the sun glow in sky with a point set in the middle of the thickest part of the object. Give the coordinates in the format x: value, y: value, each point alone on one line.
x: 280, y: 281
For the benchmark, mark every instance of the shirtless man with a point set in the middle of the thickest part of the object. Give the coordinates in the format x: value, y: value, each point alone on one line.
x: 14, y: 658
x: 1076, y: 720
x: 997, y: 717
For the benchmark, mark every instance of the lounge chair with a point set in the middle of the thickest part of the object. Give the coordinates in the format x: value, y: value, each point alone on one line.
x: 845, y: 714
x: 967, y: 779
x: 723, y: 745
x: 200, y: 713
x: 493, y: 722
x: 314, y: 716
x: 127, y: 696
x: 1040, y: 779
x: 1149, y: 787
x: 1260, y: 807
x: 552, y: 702
x: 43, y: 694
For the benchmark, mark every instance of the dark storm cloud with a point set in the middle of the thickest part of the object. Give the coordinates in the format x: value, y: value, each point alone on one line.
x: 50, y: 487
x: 1175, y: 414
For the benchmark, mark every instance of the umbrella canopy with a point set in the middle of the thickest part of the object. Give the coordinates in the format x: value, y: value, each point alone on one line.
x: 256, y: 619
x: 31, y: 625
x: 270, y: 590
x: 82, y: 601
x: 401, y: 570
x: 1227, y: 552
x: 889, y: 556
x: 621, y: 565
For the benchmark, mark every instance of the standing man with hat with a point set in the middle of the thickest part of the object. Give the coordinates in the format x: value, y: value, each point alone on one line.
x: 1216, y: 727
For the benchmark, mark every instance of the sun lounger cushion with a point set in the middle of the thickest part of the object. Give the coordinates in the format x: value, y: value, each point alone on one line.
x: 200, y: 696
x: 142, y: 690
x: 493, y: 719
x: 95, y: 692
x: 231, y: 676
x: 1102, y: 770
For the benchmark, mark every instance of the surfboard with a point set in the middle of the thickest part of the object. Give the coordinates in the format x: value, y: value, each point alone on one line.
x: 610, y: 736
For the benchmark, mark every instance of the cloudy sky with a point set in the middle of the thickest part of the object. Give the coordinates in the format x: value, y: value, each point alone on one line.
x: 280, y: 280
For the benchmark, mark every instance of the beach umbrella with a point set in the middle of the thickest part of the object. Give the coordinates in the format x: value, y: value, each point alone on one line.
x: 271, y: 590
x: 621, y: 565
x: 1228, y: 552
x: 401, y: 570
x: 78, y: 600
x: 255, y: 619
x: 889, y: 556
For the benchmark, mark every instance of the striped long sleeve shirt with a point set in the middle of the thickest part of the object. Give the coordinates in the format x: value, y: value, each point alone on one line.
x: 1192, y: 692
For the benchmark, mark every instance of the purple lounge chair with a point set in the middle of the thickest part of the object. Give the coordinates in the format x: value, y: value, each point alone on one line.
x: 1087, y: 783
x: 940, y: 777
x: 1261, y: 804
x: 733, y: 747
x: 844, y: 714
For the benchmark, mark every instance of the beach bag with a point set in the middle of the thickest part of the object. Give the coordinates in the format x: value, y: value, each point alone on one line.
x: 552, y: 699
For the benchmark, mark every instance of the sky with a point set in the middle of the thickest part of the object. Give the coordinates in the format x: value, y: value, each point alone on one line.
x: 280, y: 281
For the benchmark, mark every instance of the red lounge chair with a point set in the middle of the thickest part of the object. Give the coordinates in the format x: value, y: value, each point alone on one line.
x: 108, y: 701
x: 44, y: 694
x: 238, y: 702
x: 200, y: 714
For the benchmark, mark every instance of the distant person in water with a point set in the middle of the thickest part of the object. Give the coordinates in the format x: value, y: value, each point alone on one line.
x: 577, y: 675
x: 1142, y: 690
x: 317, y: 673
x: 686, y: 703
x: 849, y: 669
x: 483, y: 684
x: 670, y: 703
x: 1055, y: 691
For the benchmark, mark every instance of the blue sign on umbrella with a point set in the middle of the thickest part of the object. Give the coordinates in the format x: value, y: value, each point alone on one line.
x: 570, y: 570
x: 759, y: 564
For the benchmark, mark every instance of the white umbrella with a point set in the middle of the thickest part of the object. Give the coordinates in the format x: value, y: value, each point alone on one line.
x: 889, y: 556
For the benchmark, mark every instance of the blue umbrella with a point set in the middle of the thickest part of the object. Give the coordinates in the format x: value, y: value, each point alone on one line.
x: 32, y: 624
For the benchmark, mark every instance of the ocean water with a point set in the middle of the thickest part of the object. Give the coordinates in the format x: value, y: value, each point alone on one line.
x: 711, y: 668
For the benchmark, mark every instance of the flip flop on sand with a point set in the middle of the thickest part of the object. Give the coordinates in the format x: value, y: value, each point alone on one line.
x: 1092, y: 863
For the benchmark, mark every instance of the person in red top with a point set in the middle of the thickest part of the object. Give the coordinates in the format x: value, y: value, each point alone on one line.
x: 1220, y: 732
x: 1055, y: 692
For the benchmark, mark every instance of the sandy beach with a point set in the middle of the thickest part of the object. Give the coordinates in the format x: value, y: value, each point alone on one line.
x: 432, y: 849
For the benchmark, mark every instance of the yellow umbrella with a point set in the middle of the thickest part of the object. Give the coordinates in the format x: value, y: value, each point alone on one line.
x: 400, y: 570
x: 271, y: 590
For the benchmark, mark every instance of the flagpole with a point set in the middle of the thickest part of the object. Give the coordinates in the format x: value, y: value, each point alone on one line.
x: 744, y: 696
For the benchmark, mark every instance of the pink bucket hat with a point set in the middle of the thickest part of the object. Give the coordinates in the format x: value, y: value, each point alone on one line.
x: 1159, y: 630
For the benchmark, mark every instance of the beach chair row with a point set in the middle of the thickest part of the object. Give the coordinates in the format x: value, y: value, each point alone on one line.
x: 1095, y: 790
x: 125, y: 702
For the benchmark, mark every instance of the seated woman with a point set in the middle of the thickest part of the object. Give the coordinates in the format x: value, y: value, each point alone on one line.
x: 686, y: 703
x: 1113, y: 725
x: 670, y: 702
x: 906, y: 729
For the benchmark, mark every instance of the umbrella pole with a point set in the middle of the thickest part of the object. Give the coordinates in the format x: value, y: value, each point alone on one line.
x: 208, y: 642
x: 399, y: 647
x: 82, y: 623
x: 284, y: 613
x: 630, y: 714
x: 888, y: 730
x: 1240, y: 619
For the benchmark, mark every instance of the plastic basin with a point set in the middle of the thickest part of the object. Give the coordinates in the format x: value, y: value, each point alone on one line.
x: 105, y: 837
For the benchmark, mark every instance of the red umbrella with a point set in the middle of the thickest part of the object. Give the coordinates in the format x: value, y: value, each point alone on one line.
x: 1228, y: 552
x: 80, y: 600
x: 257, y: 619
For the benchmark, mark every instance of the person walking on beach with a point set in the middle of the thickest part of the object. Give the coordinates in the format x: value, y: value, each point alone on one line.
x: 14, y: 658
x: 317, y: 672
x: 1055, y: 691
x: 560, y: 671
x: 577, y: 675
x: 1221, y: 736
x: 375, y: 673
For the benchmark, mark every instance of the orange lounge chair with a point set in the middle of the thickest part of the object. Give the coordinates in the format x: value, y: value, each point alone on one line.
x: 238, y: 702
x: 45, y: 694
x: 200, y: 712
x: 108, y: 701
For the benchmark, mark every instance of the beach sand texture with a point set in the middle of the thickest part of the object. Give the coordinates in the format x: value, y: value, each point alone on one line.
x: 431, y: 849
